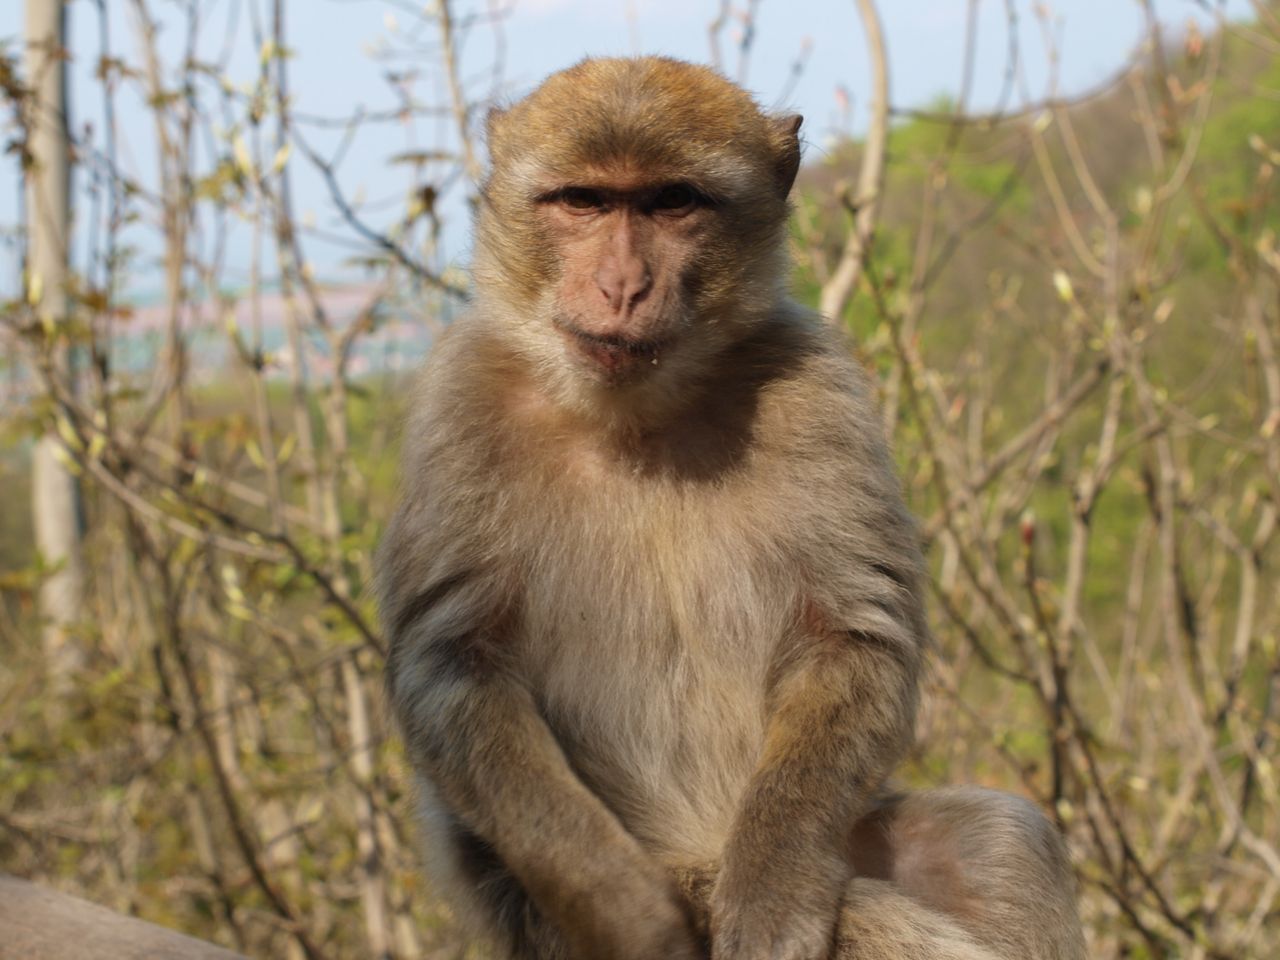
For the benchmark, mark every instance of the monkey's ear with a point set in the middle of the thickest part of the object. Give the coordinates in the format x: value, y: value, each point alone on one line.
x: 787, y: 131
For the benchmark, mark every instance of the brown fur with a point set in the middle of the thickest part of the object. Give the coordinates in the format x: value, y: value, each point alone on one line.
x: 657, y: 628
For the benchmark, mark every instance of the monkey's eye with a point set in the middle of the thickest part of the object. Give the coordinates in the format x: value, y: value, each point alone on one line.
x: 676, y: 198
x: 581, y: 198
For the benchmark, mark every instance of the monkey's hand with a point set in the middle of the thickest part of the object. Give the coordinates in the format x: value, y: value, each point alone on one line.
x: 637, y: 914
x: 777, y: 901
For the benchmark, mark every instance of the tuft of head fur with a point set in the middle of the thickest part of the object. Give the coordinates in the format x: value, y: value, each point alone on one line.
x: 666, y: 117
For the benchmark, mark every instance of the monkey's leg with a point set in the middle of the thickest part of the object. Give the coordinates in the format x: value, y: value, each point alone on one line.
x: 879, y: 922
x: 960, y: 873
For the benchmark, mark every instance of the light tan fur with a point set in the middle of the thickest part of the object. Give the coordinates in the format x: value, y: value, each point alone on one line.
x: 653, y: 597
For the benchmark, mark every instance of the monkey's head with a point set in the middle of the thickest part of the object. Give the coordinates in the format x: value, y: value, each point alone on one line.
x: 633, y: 223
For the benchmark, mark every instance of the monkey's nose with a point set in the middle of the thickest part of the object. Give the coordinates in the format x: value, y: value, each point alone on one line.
x: 624, y: 283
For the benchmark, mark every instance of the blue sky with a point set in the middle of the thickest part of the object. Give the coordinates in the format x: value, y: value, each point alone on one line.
x: 333, y: 71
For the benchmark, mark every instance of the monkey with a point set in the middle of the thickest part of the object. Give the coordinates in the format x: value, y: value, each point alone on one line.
x: 653, y: 597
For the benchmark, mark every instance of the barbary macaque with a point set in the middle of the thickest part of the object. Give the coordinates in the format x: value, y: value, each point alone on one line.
x: 653, y: 598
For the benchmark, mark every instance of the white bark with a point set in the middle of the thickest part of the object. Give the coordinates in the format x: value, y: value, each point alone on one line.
x: 55, y: 492
x: 373, y: 887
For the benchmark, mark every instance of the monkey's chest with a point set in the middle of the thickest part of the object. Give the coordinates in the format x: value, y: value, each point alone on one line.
x: 648, y: 640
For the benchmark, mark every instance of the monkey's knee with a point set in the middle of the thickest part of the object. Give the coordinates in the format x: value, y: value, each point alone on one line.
x: 992, y: 863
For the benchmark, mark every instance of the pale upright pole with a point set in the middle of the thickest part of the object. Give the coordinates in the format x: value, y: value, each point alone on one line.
x: 55, y: 491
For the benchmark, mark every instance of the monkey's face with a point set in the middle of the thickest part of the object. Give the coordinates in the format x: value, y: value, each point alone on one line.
x: 630, y: 264
x: 634, y: 219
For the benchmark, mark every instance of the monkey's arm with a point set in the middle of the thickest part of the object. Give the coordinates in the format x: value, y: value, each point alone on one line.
x: 841, y: 716
x: 476, y: 733
x: 842, y: 721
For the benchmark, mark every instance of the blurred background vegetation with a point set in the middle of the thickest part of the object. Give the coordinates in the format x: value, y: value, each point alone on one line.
x: 1071, y: 306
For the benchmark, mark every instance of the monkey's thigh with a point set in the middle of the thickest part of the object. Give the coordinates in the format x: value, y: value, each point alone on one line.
x: 959, y: 873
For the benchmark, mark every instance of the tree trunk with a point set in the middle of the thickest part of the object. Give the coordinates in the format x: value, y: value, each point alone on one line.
x: 55, y: 492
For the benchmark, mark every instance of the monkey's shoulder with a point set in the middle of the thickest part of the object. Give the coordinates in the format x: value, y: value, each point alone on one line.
x: 823, y: 457
x: 816, y: 402
x: 456, y: 406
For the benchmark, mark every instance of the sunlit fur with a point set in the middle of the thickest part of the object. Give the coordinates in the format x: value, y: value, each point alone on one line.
x: 655, y: 646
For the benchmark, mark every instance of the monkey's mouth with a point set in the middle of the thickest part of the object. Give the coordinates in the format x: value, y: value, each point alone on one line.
x: 611, y: 354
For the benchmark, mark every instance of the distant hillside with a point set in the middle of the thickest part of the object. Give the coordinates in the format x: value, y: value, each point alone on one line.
x: 996, y: 221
